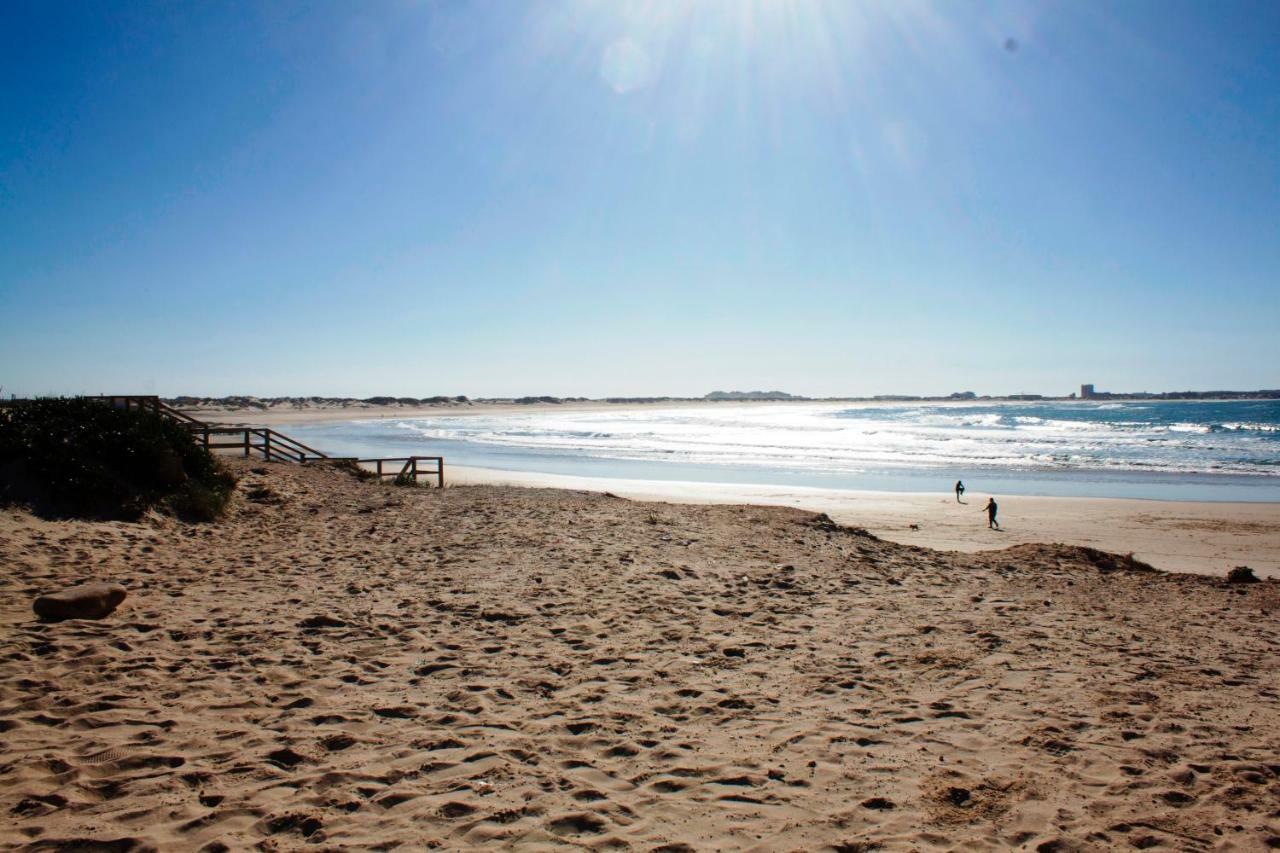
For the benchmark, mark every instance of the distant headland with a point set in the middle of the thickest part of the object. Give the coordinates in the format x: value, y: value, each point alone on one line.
x: 1087, y: 392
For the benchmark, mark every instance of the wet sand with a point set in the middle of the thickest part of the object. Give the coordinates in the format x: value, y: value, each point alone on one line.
x: 341, y: 664
x: 1204, y: 537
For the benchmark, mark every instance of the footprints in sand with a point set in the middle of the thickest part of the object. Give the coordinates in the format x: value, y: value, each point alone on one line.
x: 504, y: 667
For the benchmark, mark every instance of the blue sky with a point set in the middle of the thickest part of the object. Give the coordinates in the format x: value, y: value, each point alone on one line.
x: 613, y: 198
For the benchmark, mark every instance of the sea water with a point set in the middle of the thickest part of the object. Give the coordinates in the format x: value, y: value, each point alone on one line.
x: 1183, y: 450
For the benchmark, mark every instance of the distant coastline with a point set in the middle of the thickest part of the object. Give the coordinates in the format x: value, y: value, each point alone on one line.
x: 311, y: 403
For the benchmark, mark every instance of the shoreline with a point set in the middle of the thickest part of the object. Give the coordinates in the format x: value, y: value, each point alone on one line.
x: 1200, y: 537
x: 329, y: 413
x: 320, y: 415
x: 1195, y: 537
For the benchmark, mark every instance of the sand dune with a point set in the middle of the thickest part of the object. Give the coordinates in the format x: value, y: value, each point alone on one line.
x: 347, y: 665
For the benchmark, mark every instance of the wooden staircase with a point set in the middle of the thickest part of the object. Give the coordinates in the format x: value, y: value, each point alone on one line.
x: 276, y: 446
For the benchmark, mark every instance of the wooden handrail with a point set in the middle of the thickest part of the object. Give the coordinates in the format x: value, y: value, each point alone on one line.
x: 291, y: 443
x: 409, y: 469
x: 273, y: 445
x: 153, y: 402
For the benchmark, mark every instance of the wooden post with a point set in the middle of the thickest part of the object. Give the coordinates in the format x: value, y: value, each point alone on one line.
x: 266, y: 444
x: 415, y: 470
x: 379, y: 469
x: 246, y: 444
x: 440, y: 471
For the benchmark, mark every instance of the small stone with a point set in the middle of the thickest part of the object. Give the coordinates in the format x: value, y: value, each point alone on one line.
x: 878, y: 804
x: 89, y: 601
x: 322, y: 621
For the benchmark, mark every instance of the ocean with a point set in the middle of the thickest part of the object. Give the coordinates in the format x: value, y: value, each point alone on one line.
x: 1192, y: 450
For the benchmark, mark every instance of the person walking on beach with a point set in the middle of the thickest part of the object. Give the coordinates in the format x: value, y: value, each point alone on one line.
x: 991, y: 514
x: 959, y: 491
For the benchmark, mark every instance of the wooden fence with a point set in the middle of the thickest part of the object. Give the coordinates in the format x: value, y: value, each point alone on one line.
x: 413, y: 467
x: 276, y: 446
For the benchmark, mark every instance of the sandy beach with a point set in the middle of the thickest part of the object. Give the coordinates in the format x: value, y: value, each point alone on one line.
x: 581, y: 425
x: 1176, y: 536
x: 1205, y: 537
x: 342, y: 664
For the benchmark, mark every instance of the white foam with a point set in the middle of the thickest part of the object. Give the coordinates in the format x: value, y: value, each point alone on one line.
x: 844, y: 438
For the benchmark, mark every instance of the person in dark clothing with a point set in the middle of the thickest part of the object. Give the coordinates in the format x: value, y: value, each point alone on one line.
x: 991, y: 514
x: 959, y: 491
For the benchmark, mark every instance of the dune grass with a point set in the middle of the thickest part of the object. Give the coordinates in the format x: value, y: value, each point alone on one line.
x: 80, y: 458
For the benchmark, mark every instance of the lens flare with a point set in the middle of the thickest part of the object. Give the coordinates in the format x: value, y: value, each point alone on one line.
x: 626, y: 66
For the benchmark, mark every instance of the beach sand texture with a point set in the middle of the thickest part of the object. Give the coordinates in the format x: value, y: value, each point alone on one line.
x: 342, y: 664
x: 1205, y: 537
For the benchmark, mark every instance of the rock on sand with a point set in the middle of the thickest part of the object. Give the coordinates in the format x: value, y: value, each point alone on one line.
x: 88, y: 601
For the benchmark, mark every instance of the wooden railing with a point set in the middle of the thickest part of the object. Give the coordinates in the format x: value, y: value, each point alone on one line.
x: 273, y: 445
x: 276, y: 446
x: 413, y: 467
x: 150, y: 403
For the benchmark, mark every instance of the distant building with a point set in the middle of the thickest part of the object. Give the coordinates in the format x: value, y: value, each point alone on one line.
x: 963, y: 395
x: 1086, y: 391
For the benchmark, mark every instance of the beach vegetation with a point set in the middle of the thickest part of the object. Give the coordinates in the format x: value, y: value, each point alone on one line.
x: 1241, y: 574
x: 81, y: 458
x: 352, y: 467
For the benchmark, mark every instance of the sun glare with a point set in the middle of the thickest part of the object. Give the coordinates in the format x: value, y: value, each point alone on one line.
x: 626, y: 66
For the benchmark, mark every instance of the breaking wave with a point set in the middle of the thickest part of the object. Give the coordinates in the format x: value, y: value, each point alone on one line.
x: 1240, y: 438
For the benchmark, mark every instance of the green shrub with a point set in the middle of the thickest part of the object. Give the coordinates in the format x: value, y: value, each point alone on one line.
x: 82, y: 458
x: 1241, y: 574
